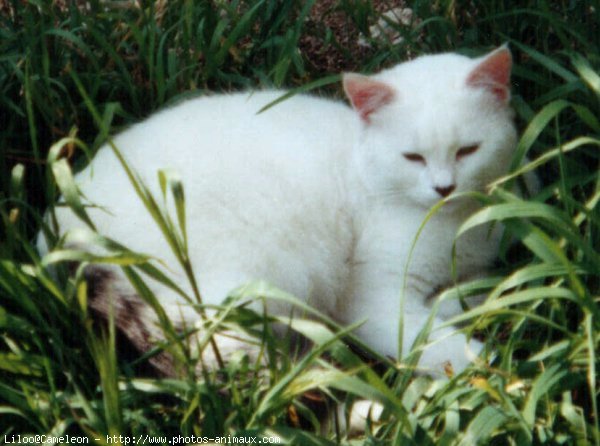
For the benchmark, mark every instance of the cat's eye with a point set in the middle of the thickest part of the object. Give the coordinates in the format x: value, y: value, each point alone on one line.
x: 414, y: 157
x: 466, y: 151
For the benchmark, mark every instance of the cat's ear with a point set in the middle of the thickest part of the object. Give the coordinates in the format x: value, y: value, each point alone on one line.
x: 493, y: 74
x: 366, y: 94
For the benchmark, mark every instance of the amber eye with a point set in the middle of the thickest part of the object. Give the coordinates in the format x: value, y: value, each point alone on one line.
x: 466, y: 151
x: 414, y: 157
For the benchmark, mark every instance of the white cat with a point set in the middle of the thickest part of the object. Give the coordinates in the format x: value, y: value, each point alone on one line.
x: 319, y: 199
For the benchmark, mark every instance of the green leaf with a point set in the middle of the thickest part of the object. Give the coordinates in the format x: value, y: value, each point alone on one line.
x: 540, y: 388
x: 66, y: 184
x: 587, y: 73
x: 516, y: 298
x: 487, y: 421
x: 535, y: 128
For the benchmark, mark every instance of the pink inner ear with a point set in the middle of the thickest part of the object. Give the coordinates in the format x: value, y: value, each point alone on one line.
x: 493, y: 74
x: 367, y: 95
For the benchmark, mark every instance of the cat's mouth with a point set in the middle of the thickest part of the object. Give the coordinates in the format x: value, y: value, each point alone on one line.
x: 447, y: 204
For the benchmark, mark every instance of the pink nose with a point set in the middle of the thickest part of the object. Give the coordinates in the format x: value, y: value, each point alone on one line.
x: 444, y: 191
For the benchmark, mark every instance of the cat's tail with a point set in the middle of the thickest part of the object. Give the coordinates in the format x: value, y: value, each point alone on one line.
x: 111, y: 296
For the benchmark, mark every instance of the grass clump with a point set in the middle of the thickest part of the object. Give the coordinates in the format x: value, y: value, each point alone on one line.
x: 71, y: 73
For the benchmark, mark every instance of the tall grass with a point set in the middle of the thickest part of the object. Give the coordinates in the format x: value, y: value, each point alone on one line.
x: 72, y: 73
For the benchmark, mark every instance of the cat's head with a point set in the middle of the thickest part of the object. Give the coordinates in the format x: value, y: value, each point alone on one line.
x: 434, y: 125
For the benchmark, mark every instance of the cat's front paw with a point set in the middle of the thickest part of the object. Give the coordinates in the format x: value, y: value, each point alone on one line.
x: 354, y: 419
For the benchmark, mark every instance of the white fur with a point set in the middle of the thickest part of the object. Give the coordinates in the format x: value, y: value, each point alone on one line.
x: 318, y: 201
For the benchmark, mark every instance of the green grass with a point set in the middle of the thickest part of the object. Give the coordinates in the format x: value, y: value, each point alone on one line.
x: 71, y: 74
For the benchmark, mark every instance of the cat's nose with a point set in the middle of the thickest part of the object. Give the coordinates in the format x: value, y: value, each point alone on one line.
x: 444, y: 191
